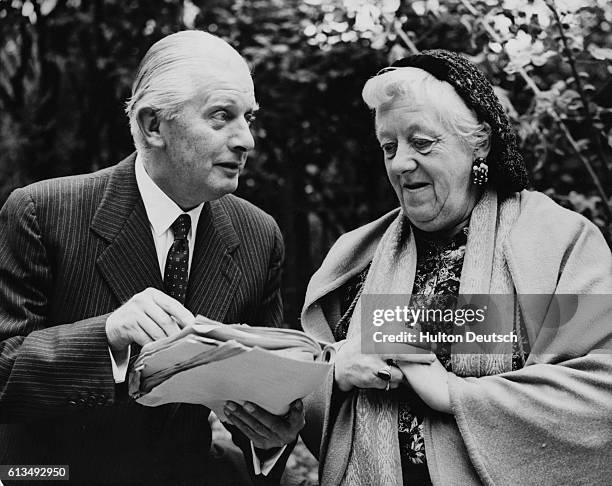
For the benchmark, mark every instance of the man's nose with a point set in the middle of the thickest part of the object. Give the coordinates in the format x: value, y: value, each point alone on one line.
x: 242, y: 138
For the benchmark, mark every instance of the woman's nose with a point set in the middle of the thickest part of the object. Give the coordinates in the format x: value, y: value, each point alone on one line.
x: 404, y: 160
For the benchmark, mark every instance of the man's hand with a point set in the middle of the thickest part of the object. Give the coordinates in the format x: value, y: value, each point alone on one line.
x: 147, y: 316
x: 263, y: 428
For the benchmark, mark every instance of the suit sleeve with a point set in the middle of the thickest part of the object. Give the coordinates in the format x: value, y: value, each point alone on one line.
x: 46, y: 368
x: 271, y: 307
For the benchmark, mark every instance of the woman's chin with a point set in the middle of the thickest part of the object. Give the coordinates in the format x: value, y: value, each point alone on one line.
x: 425, y: 220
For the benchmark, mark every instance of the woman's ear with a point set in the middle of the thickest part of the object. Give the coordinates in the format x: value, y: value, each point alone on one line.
x: 483, y: 145
x: 148, y: 124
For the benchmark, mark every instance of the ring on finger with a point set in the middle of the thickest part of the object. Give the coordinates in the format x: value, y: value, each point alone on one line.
x: 384, y: 373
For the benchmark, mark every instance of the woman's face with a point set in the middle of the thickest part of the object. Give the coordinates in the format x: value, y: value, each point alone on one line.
x: 428, y: 166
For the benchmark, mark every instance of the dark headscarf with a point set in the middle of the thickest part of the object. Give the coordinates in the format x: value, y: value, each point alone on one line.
x: 507, y: 171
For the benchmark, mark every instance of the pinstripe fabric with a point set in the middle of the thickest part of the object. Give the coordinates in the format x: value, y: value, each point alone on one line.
x: 71, y: 251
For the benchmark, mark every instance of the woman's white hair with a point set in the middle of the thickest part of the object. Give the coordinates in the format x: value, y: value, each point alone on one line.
x: 172, y: 71
x: 424, y: 90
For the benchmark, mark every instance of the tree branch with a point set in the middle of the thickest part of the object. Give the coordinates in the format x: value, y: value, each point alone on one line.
x: 402, y: 35
x: 531, y: 83
x: 585, y: 102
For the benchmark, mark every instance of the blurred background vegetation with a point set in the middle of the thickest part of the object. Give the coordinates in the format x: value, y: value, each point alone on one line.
x: 67, y: 67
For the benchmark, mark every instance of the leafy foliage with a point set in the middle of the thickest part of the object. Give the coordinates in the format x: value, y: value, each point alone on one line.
x: 67, y: 67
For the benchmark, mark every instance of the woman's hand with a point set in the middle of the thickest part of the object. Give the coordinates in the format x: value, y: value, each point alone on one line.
x: 354, y: 369
x: 429, y: 381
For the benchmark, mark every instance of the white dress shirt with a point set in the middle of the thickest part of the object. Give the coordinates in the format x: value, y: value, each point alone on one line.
x: 162, y: 212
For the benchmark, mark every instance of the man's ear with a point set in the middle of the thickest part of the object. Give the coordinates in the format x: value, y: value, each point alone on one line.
x: 484, y: 146
x: 148, y: 124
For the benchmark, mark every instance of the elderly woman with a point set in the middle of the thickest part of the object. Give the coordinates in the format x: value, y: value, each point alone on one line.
x: 539, y: 414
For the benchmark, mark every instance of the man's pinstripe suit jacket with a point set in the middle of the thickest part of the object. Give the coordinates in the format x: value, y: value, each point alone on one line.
x: 71, y: 251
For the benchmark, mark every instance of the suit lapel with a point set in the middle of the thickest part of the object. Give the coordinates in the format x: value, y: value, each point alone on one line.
x: 214, y: 275
x: 129, y: 262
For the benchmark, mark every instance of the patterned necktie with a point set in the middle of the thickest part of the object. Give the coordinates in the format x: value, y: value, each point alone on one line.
x: 177, y: 263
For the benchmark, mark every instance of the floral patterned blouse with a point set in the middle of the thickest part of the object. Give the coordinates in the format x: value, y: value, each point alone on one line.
x: 438, y: 272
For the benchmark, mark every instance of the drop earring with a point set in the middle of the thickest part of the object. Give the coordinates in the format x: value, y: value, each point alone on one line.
x: 480, y: 172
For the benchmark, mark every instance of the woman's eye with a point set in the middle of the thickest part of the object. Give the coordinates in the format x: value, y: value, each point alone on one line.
x: 389, y: 148
x: 423, y: 144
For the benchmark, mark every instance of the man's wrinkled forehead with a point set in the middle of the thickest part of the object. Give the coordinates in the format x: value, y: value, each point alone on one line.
x: 238, y: 82
x: 213, y: 74
x: 225, y: 88
x: 232, y: 71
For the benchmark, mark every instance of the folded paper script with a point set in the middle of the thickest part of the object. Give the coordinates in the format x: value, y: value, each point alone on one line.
x: 209, y: 363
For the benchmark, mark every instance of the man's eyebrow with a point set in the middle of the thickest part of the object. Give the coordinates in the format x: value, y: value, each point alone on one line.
x: 228, y: 102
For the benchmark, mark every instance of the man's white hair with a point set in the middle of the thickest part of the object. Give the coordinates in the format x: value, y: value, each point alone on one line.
x: 423, y: 90
x: 172, y: 71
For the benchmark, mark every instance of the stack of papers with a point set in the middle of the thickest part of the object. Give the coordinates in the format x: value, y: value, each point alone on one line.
x: 209, y: 363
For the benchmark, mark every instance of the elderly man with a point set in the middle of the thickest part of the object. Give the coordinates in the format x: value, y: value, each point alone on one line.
x: 93, y: 267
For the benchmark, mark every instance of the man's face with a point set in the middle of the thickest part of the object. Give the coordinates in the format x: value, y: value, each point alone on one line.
x: 206, y: 145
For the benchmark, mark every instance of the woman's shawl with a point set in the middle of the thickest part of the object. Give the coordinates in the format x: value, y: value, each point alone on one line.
x: 548, y: 423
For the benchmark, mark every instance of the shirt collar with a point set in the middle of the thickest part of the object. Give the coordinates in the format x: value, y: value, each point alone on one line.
x: 161, y: 210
